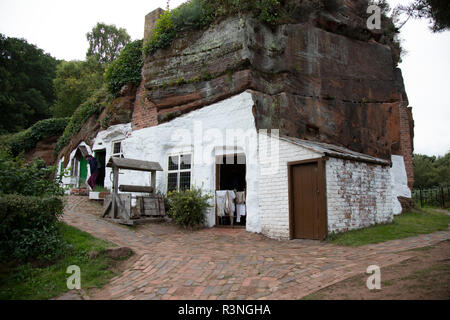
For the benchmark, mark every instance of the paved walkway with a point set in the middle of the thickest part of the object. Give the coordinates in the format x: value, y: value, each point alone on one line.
x: 229, y: 263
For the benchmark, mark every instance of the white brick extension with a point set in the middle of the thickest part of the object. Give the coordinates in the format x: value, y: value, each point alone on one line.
x: 358, y: 193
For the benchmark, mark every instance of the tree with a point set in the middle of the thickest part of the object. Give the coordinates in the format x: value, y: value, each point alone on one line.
x: 437, y: 11
x: 126, y: 69
x: 431, y: 171
x: 26, y: 90
x: 106, y: 42
x: 75, y: 81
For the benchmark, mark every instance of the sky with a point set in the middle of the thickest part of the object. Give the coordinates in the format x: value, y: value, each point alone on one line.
x: 59, y: 27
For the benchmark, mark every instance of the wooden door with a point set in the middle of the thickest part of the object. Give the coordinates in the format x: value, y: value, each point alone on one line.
x: 83, y: 170
x: 307, y: 212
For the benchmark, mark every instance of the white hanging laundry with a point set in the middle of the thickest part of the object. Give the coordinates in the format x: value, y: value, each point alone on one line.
x: 241, y: 210
x: 221, y: 202
x: 231, y: 197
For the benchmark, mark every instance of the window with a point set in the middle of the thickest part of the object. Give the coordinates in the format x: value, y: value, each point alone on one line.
x: 117, y: 149
x: 179, y: 172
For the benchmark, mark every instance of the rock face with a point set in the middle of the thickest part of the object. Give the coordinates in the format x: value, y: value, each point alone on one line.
x: 44, y: 150
x: 326, y: 78
x: 119, y: 111
x: 307, y: 81
x: 407, y: 204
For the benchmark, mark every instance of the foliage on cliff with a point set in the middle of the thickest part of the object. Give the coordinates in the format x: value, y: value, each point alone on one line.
x: 92, y: 106
x: 26, y: 140
x: 126, y: 69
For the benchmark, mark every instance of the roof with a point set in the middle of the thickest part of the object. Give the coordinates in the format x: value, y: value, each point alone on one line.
x: 83, y: 150
x: 132, y: 164
x: 335, y: 151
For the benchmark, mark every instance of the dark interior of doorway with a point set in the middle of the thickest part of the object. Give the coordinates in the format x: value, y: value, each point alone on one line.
x: 232, y: 172
x: 100, y: 156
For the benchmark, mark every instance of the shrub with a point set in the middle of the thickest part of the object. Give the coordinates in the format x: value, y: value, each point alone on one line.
x: 26, y: 140
x: 93, y: 106
x: 29, y: 227
x: 187, y: 208
x: 126, y: 69
x: 30, y: 205
x: 162, y: 35
x: 32, y: 179
x: 196, y: 14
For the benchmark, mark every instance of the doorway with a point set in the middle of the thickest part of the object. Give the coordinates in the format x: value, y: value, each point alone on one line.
x: 231, y: 173
x: 100, y: 156
x: 307, y: 200
x: 83, y: 171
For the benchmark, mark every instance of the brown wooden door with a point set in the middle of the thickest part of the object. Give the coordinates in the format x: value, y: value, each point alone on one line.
x: 309, y: 218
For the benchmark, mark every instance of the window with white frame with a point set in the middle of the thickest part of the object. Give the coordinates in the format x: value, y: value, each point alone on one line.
x: 117, y: 149
x: 179, y: 172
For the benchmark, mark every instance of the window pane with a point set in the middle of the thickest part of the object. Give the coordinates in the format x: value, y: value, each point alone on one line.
x: 116, y: 147
x: 172, y: 182
x: 173, y: 163
x: 185, y: 180
x: 185, y: 162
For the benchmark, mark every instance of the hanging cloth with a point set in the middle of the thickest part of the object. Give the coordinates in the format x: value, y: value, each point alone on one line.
x: 240, y: 205
x: 221, y: 201
x: 240, y: 197
x: 230, y: 207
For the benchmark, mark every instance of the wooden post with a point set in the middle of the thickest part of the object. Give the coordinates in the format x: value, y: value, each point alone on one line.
x: 115, y: 191
x: 153, y: 181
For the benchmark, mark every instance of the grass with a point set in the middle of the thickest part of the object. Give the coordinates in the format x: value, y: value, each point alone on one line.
x: 27, y: 282
x: 409, y: 224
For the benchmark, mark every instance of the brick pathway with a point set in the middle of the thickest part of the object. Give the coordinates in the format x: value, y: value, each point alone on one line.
x: 229, y: 263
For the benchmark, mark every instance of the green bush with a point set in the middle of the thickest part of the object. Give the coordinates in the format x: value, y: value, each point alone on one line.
x: 126, y: 69
x: 29, y: 227
x: 188, y: 208
x: 162, y: 35
x: 26, y: 140
x: 29, y: 179
x: 93, y: 106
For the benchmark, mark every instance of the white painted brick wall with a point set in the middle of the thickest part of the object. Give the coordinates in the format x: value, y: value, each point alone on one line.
x: 358, y: 194
x: 273, y: 185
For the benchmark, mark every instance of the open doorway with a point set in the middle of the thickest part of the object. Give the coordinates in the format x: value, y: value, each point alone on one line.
x: 231, y: 176
x: 100, y: 156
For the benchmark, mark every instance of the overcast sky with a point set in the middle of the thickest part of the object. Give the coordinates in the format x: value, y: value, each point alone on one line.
x: 60, y: 26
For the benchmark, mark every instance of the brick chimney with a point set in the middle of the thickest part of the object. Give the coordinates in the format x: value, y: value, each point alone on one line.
x: 150, y: 20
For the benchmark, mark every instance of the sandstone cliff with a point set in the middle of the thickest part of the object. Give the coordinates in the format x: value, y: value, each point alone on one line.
x: 309, y: 79
x: 323, y: 77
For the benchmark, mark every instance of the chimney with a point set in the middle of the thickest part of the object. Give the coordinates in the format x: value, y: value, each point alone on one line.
x: 150, y: 20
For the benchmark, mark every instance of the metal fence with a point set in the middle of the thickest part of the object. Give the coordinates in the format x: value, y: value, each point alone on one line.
x: 435, y: 197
